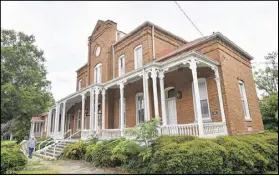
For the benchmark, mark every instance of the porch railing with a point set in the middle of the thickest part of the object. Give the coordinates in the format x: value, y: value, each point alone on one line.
x: 185, y: 129
x: 215, y: 129
x: 109, y: 133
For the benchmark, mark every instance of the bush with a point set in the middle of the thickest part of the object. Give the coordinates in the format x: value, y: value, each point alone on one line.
x: 100, y: 154
x: 163, y: 141
x: 12, y: 160
x: 242, y: 157
x: 125, y: 150
x: 266, y: 149
x: 8, y: 144
x: 194, y: 157
x: 75, y: 151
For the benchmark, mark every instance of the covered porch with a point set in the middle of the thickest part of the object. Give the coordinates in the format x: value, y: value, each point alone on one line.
x: 183, y: 92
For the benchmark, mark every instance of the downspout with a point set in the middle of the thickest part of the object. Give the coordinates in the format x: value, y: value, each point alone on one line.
x: 112, y: 61
x: 153, y: 44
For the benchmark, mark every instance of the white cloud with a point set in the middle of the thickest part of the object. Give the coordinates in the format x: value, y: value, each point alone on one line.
x: 62, y: 28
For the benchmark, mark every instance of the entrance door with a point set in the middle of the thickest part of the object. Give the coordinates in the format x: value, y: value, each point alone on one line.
x: 171, y: 106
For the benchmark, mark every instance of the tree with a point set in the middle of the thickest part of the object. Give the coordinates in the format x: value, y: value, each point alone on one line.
x: 25, y: 91
x: 267, y: 79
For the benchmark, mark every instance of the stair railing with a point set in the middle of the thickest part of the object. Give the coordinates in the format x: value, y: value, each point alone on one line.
x: 64, y: 140
x: 47, y: 140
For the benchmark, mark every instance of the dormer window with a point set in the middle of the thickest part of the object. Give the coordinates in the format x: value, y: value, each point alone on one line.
x: 121, y: 65
x: 98, y: 73
x: 138, y: 57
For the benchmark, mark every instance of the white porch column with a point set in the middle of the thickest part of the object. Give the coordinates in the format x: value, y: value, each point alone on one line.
x: 155, y: 93
x: 82, y: 110
x: 31, y: 129
x: 217, y: 79
x: 96, y: 108
x: 48, y: 122
x: 163, y: 99
x: 193, y: 67
x: 91, y: 123
x: 121, y: 88
x: 103, y: 108
x: 57, y: 119
x: 63, y: 119
x: 145, y: 78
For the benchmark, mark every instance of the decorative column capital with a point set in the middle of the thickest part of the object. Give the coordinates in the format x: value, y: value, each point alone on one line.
x: 103, y: 92
x: 97, y: 90
x: 154, y: 73
x: 161, y: 74
x: 193, y: 63
x: 121, y: 84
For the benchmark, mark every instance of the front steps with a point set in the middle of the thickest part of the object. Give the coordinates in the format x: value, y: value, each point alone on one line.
x: 52, y: 152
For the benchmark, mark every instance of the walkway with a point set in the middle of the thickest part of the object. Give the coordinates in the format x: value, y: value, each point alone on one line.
x: 70, y: 167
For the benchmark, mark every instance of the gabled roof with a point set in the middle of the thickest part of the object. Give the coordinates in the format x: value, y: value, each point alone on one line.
x: 146, y: 23
x: 204, y: 40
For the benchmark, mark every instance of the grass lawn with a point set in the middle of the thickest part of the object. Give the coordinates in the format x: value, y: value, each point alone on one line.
x: 38, y: 170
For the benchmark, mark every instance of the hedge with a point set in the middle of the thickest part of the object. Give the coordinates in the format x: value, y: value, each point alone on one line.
x: 247, y: 154
x: 12, y: 159
x: 75, y: 151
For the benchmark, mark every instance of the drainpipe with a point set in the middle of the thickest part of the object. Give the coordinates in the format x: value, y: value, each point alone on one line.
x: 153, y: 44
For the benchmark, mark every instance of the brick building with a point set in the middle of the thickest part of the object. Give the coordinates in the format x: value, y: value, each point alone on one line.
x: 203, y: 87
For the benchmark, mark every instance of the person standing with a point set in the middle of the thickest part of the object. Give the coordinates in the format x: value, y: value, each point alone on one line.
x: 31, y: 146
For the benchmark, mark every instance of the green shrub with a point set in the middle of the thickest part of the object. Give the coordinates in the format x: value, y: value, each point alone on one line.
x: 163, y: 141
x: 100, y: 154
x: 243, y: 158
x: 8, y: 144
x: 12, y: 160
x: 269, y: 151
x: 125, y: 151
x: 193, y: 157
x: 75, y: 151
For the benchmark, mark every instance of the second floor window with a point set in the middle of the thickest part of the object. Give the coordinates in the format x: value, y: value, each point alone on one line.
x: 121, y: 63
x: 244, y: 100
x: 79, y: 84
x: 98, y: 73
x: 138, y: 56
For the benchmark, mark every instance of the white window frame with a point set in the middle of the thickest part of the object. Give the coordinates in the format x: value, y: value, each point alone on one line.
x: 242, y: 89
x: 121, y: 71
x: 135, y: 57
x: 201, y: 80
x: 99, y: 80
x: 124, y: 100
x: 79, y: 84
x: 137, y: 106
x: 79, y: 120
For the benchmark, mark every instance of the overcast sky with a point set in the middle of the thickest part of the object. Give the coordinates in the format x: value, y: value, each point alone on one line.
x: 62, y: 28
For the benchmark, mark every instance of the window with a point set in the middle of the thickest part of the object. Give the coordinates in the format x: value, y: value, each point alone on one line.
x: 124, y: 105
x: 69, y: 122
x: 203, y: 99
x: 140, y: 107
x: 78, y: 119
x: 98, y: 73
x: 138, y: 57
x: 86, y: 79
x: 244, y: 100
x: 121, y: 65
x: 79, y: 84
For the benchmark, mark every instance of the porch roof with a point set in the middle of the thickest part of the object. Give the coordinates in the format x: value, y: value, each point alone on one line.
x: 176, y: 60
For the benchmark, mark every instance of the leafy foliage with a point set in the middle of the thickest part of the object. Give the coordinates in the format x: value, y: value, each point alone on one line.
x: 12, y: 159
x: 25, y: 91
x: 75, y: 151
x: 146, y: 131
x: 267, y: 79
x: 269, y: 109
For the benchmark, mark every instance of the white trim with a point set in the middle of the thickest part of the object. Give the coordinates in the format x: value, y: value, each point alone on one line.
x: 121, y: 71
x: 248, y: 117
x: 166, y: 91
x: 167, y: 98
x: 137, y: 106
x: 135, y: 57
x: 79, y: 84
x: 201, y: 80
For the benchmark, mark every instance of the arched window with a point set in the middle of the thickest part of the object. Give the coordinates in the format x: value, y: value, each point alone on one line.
x: 139, y: 107
x: 203, y: 99
x: 121, y: 65
x: 98, y: 73
x: 138, y: 57
x: 244, y: 100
